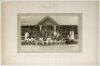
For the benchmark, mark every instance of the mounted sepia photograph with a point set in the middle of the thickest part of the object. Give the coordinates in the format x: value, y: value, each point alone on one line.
x: 49, y: 32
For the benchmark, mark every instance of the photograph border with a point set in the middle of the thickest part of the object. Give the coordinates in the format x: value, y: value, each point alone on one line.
x: 35, y: 14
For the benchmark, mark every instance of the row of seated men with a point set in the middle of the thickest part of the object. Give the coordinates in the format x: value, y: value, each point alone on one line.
x: 45, y: 43
x: 48, y: 41
x: 38, y: 42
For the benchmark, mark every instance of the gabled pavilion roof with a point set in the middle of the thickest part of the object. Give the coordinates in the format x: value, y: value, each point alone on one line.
x: 47, y: 21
